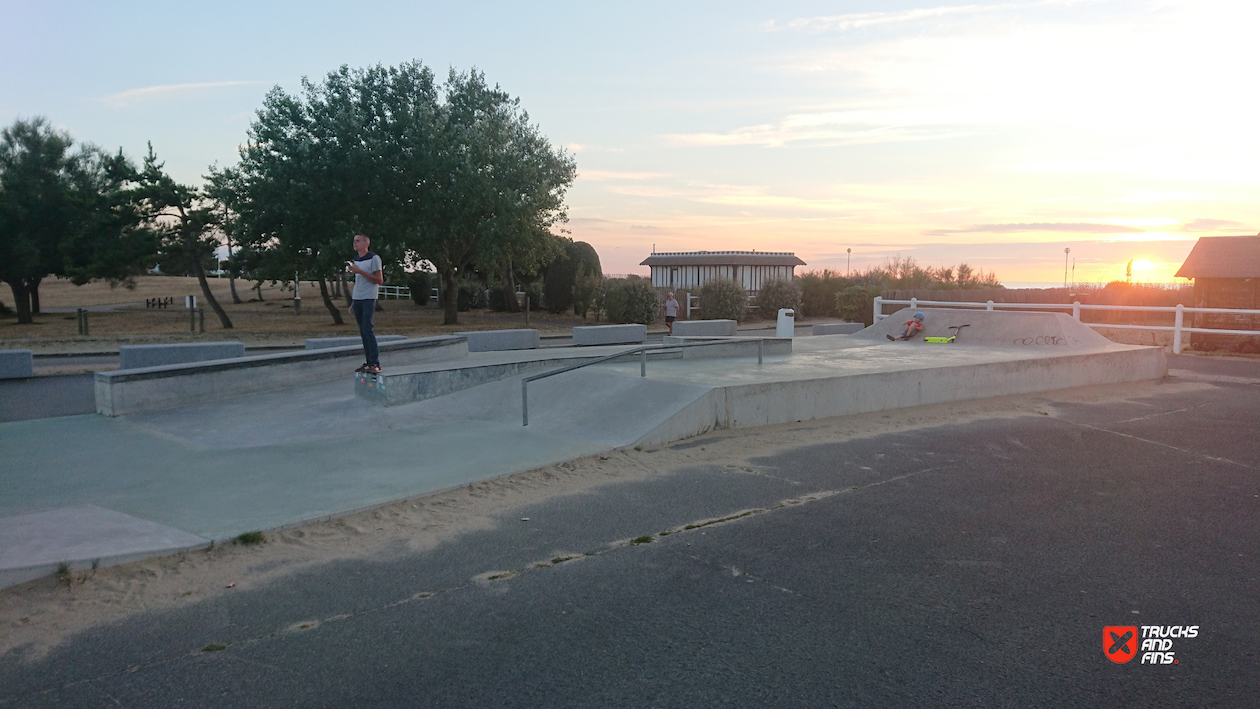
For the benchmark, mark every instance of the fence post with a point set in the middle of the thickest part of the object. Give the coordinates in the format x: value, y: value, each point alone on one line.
x: 879, y: 307
x: 192, y: 318
x: 201, y: 319
x: 1076, y: 310
x: 989, y: 306
x: 1177, y: 321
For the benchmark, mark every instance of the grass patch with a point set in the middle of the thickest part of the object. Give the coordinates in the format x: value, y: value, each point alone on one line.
x: 645, y: 539
x: 213, y: 647
x: 251, y: 538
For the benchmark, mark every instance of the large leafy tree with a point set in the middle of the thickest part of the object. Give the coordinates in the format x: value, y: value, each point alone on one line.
x: 495, y: 188
x: 185, y: 221
x: 452, y: 174
x: 35, y: 208
x: 66, y: 214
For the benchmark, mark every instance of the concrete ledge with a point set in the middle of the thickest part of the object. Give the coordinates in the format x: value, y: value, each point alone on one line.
x: 766, y: 403
x: 321, y: 343
x: 837, y: 328
x: 497, y: 340
x: 631, y: 334
x: 140, y: 356
x: 36, y: 545
x: 124, y: 392
x: 16, y: 364
x: 704, y: 328
x: 724, y: 347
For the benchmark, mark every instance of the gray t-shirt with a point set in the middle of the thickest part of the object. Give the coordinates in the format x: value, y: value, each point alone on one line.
x: 363, y: 288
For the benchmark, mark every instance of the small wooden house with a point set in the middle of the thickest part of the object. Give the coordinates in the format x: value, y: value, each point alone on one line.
x: 687, y: 271
x: 1226, y: 273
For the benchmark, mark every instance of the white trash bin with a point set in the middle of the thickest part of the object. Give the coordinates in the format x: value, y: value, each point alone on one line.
x: 787, y: 323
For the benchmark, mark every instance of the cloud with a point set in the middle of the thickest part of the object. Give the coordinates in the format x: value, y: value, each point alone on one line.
x: 1065, y: 227
x: 858, y: 20
x: 130, y: 96
x: 602, y: 175
x: 1211, y: 225
x: 1053, y: 199
x: 821, y: 129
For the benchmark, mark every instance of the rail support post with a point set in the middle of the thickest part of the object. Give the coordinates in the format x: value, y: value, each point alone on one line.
x: 759, y: 342
x: 1076, y: 310
x: 524, y: 403
x: 643, y: 362
x: 1178, y: 319
x: 879, y: 307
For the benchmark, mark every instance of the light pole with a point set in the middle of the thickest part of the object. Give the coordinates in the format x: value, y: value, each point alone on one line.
x: 848, y: 263
x: 1065, y: 265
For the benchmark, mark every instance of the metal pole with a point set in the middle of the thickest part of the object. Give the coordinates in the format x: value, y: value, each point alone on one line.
x: 524, y: 403
x: 848, y: 264
x: 1065, y: 265
x: 879, y: 307
x: 201, y: 319
x: 1177, y: 321
x: 759, y: 341
x: 643, y: 363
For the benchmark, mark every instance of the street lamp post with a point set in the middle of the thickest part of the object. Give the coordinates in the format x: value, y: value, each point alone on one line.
x: 1066, y: 251
x: 848, y: 263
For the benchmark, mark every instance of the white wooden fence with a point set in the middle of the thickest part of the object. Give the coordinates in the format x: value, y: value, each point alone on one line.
x: 1176, y: 328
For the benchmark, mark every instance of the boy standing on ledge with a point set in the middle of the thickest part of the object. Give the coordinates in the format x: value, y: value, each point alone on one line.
x: 368, y: 278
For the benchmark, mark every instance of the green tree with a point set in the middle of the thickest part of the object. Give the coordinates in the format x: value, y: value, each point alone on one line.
x: 485, y: 185
x: 185, y: 221
x: 65, y: 214
x: 35, y: 208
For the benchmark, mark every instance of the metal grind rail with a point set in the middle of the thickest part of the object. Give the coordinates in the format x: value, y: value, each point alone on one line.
x: 642, y: 350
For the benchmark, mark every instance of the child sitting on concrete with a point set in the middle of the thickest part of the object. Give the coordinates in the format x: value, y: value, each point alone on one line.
x: 913, y: 327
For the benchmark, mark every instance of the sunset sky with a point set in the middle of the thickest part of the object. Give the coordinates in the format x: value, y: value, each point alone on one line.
x: 995, y: 133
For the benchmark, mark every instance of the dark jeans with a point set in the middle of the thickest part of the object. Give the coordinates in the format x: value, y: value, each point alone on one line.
x: 363, y: 312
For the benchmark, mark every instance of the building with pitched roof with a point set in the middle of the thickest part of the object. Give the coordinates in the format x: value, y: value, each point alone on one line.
x: 1226, y: 273
x: 688, y: 270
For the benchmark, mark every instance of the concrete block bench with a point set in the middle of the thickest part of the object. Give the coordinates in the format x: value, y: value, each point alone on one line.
x: 704, y: 328
x: 140, y: 356
x: 838, y: 328
x: 632, y: 334
x: 320, y: 343
x: 16, y: 364
x: 496, y: 340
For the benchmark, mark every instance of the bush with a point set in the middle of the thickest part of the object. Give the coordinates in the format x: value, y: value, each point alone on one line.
x: 818, y: 292
x: 779, y: 293
x: 723, y: 299
x: 857, y: 304
x: 577, y: 268
x: 471, y: 296
x: 634, y: 301
x: 421, y: 284
x: 497, y: 302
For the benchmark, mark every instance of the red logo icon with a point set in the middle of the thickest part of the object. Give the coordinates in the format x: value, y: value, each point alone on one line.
x: 1120, y: 643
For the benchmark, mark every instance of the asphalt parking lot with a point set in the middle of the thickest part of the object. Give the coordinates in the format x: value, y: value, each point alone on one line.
x: 968, y: 564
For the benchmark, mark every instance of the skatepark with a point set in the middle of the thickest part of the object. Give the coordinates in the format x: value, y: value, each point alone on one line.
x: 264, y: 444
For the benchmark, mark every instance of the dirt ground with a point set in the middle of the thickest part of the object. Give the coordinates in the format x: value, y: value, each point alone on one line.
x: 118, y: 316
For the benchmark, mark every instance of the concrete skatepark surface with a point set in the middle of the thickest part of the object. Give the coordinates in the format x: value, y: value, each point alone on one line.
x: 279, y: 458
x: 967, y: 554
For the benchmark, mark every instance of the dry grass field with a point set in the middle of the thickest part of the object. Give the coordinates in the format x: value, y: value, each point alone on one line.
x: 119, y: 317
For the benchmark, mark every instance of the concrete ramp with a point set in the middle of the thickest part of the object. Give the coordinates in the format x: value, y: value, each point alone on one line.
x: 993, y: 328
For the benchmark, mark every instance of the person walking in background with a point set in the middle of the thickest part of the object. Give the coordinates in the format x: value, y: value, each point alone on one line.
x: 671, y: 311
x: 368, y: 278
